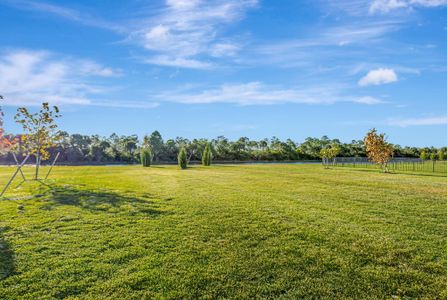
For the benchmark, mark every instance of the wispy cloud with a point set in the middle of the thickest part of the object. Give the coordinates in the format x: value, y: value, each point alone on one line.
x: 369, y: 100
x: 182, y: 62
x: 257, y: 93
x: 31, y: 77
x: 186, y: 33
x: 323, y: 44
x: 385, y: 6
x: 64, y: 12
x: 378, y: 77
x: 426, y: 121
x: 125, y: 104
x: 375, y: 7
x: 350, y: 7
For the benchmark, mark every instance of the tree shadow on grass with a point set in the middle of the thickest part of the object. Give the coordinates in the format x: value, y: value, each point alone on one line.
x: 7, y: 264
x: 101, y: 201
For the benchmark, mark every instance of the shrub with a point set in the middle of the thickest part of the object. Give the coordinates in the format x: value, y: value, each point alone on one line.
x: 182, y: 159
x: 329, y: 154
x: 424, y: 155
x: 207, y: 156
x: 146, y: 156
x: 433, y: 156
x: 379, y: 151
x: 441, y: 155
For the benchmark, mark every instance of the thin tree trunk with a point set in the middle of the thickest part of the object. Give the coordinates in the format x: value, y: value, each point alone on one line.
x: 37, y: 165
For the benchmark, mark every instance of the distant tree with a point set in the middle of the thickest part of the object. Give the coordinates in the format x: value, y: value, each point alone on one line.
x: 194, y: 148
x: 329, y: 153
x: 441, y: 155
x: 40, y: 131
x: 97, y: 149
x: 146, y: 156
x: 182, y: 159
x: 157, y: 145
x: 424, y: 155
x: 146, y: 153
x: 433, y: 156
x: 171, y: 150
x: 207, y: 155
x: 128, y: 146
x: 222, y: 148
x: 379, y: 151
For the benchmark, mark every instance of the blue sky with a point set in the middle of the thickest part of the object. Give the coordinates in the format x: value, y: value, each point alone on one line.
x: 203, y: 68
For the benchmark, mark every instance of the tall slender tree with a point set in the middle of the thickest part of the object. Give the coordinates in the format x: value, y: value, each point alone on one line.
x: 182, y: 159
x: 207, y: 155
x: 146, y: 153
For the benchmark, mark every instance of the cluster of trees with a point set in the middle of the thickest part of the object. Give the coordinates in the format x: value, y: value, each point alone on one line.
x: 434, y: 154
x: 77, y: 148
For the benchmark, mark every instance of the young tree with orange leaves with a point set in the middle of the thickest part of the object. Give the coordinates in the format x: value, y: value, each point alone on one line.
x: 6, y: 144
x: 379, y: 151
x: 40, y: 131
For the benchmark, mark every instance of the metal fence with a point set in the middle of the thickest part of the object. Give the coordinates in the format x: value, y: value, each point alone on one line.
x: 396, y: 164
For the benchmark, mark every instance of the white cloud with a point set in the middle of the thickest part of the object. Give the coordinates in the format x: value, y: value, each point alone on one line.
x: 187, y: 31
x: 385, y: 6
x: 378, y: 77
x: 224, y: 49
x: 257, y: 93
x: 440, y: 120
x: 369, y: 100
x: 168, y: 61
x: 32, y: 77
x: 90, y: 68
x: 182, y: 4
x: 30, y: 74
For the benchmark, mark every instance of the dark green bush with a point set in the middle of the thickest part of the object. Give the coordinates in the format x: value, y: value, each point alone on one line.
x: 146, y: 156
x: 182, y: 159
x: 207, y: 156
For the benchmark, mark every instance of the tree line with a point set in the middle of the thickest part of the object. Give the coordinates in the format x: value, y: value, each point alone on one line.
x: 78, y: 148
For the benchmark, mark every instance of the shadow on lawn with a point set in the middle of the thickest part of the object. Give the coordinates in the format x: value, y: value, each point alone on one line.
x: 7, y: 264
x: 102, y: 200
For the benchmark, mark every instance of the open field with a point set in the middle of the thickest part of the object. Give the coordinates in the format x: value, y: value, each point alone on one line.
x: 268, y: 231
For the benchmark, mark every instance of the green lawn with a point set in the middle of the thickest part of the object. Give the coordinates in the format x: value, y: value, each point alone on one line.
x: 266, y: 231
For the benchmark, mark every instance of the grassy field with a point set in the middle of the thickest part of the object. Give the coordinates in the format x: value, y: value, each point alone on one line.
x: 265, y: 231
